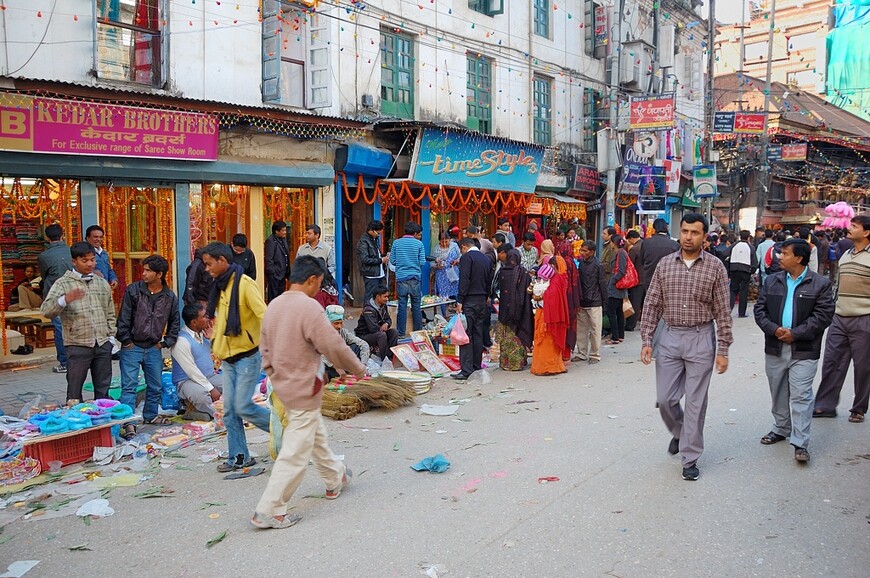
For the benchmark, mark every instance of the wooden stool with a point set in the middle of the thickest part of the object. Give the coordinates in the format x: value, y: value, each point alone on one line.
x: 43, y: 334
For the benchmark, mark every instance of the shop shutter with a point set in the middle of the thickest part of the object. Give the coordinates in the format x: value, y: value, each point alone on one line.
x: 271, y: 51
x: 319, y: 72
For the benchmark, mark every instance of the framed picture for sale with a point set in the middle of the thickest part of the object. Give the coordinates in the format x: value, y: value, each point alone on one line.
x: 406, y: 354
x: 431, y: 363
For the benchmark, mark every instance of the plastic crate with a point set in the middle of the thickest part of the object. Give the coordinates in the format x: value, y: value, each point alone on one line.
x: 70, y: 450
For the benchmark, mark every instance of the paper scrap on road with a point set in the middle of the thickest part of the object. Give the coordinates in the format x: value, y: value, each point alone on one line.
x: 19, y: 569
x: 547, y: 479
x: 219, y: 538
x: 437, y: 464
x: 99, y: 508
x: 439, y: 410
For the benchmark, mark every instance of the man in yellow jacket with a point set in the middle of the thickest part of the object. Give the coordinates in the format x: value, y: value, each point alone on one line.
x: 237, y: 307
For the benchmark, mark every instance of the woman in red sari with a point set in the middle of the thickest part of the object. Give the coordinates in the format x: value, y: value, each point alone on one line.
x: 551, y: 322
x: 566, y: 250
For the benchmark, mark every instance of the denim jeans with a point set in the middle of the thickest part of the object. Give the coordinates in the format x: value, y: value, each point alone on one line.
x: 151, y: 362
x: 405, y: 289
x: 240, y: 381
x: 58, y: 341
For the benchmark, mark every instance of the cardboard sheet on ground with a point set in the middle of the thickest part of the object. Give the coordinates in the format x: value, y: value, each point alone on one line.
x: 440, y: 410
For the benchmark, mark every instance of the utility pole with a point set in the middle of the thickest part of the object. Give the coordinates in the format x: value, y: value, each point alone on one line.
x: 765, y: 188
x: 710, y: 101
x: 616, y: 54
x: 734, y: 215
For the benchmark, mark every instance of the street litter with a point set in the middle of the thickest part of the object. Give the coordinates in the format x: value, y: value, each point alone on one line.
x: 440, y: 410
x: 547, y: 479
x: 19, y: 569
x: 98, y: 508
x: 219, y: 538
x: 436, y: 464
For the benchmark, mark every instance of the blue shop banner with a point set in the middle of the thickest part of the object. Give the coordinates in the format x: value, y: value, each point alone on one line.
x: 473, y: 161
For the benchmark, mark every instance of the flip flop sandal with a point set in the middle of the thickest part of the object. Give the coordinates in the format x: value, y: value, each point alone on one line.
x: 159, y: 420
x: 246, y: 473
x: 856, y: 417
x: 129, y: 431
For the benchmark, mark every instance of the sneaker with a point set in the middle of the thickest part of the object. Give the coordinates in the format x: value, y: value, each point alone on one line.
x: 273, y: 523
x: 238, y: 464
x: 333, y: 494
x: 691, y: 473
x: 674, y: 447
x: 59, y: 369
x: 801, y: 455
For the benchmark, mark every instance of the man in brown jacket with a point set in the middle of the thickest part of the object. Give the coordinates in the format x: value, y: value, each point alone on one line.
x: 295, y: 333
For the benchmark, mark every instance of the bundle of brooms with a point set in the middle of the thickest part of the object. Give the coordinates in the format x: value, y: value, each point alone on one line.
x: 345, y: 397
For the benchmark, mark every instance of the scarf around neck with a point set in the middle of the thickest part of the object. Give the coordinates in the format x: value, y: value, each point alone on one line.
x: 234, y: 321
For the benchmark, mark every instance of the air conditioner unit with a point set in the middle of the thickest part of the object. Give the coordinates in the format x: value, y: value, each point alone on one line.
x: 635, y: 62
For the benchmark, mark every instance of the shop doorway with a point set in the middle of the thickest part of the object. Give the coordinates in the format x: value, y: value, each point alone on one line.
x: 139, y: 221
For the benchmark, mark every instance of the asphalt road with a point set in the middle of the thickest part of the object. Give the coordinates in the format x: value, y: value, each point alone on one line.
x: 619, y: 507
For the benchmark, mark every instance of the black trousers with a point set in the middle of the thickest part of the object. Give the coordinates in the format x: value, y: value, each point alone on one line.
x: 371, y: 285
x: 471, y: 355
x: 331, y: 372
x: 616, y: 317
x: 80, y: 360
x: 381, y: 342
x: 740, y: 290
x: 635, y: 295
x: 274, y: 287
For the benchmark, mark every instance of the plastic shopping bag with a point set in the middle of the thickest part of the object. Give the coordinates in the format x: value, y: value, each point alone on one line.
x: 458, y: 336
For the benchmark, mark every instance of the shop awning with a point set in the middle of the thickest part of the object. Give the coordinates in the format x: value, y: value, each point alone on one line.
x: 286, y: 174
x: 560, y: 198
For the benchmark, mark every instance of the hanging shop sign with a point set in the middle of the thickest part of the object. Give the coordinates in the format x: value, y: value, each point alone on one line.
x: 462, y: 160
x: 535, y: 208
x: 586, y: 179
x: 672, y: 176
x: 600, y: 26
x: 723, y: 122
x: 740, y: 122
x: 47, y: 125
x: 646, y: 145
x: 774, y: 153
x: 704, y: 179
x: 652, y: 111
x: 794, y: 152
x: 748, y: 123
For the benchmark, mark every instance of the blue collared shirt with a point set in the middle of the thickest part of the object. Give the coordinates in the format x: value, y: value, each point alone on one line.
x: 788, y: 306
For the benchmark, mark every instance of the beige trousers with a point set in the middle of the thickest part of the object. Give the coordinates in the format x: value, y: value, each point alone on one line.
x: 304, y: 438
x: 589, y: 333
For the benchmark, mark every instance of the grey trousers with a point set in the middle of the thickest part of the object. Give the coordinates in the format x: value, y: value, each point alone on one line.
x: 791, y: 394
x: 194, y: 393
x: 589, y: 333
x: 684, y: 364
x: 848, y: 341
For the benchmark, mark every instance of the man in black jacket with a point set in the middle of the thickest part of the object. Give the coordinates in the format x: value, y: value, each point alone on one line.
x: 793, y: 310
x: 594, y: 292
x: 371, y: 262
x: 653, y: 250
x: 277, y: 260
x: 374, y: 324
x: 148, y: 322
x: 197, y: 283
x: 243, y: 256
x: 475, y: 283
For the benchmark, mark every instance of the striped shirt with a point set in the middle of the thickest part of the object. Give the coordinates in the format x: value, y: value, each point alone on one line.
x: 408, y: 257
x: 853, y: 283
x: 688, y: 297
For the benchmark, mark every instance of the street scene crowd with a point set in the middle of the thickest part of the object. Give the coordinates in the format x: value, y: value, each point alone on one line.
x: 543, y: 298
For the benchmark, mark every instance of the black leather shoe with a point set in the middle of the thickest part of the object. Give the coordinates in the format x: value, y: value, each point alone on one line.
x: 674, y: 446
x: 460, y: 376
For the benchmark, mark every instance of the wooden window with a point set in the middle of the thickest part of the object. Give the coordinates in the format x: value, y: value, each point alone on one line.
x: 397, y: 75
x: 479, y: 93
x: 542, y: 93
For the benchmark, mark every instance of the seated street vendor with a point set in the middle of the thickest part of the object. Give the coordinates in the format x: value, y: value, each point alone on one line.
x: 27, y: 295
x: 192, y: 366
x: 335, y: 315
x: 374, y: 325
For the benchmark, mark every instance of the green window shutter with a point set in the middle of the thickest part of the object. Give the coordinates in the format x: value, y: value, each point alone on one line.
x: 318, y: 65
x: 271, y: 36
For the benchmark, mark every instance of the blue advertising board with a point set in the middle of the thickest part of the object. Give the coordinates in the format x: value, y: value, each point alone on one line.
x: 470, y: 161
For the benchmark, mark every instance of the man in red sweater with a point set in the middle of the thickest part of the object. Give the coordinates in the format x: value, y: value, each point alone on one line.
x: 295, y: 333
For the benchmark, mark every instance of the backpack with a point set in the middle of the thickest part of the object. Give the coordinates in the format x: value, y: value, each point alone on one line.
x: 771, y: 259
